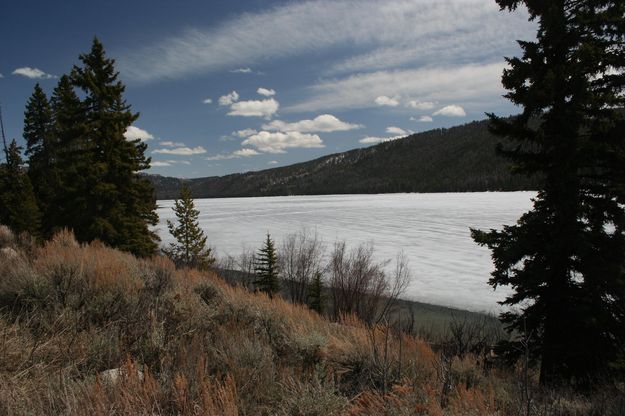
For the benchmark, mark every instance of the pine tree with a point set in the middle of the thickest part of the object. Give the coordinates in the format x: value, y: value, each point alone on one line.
x: 19, y: 207
x: 565, y: 259
x: 266, y: 268
x: 316, y: 298
x: 74, y: 156
x: 190, y: 248
x: 41, y: 152
x: 120, y: 204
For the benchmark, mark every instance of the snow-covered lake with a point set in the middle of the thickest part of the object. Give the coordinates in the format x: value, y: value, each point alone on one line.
x: 448, y: 268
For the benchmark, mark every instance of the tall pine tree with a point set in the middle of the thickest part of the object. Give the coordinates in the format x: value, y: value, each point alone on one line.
x: 266, y: 268
x: 41, y: 151
x: 120, y: 205
x: 190, y: 246
x: 565, y: 259
x: 74, y: 156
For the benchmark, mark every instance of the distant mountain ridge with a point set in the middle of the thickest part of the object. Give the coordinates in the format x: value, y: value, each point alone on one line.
x: 457, y: 159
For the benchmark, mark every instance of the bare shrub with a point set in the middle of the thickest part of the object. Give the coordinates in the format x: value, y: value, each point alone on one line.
x: 300, y: 258
x: 361, y: 286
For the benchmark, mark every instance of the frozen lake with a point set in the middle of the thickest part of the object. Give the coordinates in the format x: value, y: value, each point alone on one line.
x: 448, y: 268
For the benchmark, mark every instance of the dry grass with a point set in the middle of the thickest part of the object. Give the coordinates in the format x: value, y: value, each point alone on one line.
x: 187, y: 343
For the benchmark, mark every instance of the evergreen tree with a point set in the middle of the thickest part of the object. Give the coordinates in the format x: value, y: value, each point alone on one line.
x: 266, y: 268
x: 74, y: 156
x: 19, y: 207
x: 565, y: 259
x: 120, y: 204
x: 190, y: 247
x: 41, y: 152
x: 316, y: 298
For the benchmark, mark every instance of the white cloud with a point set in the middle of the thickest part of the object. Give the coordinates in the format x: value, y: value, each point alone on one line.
x: 234, y: 155
x: 168, y: 143
x: 383, y: 100
x: 277, y: 142
x: 244, y: 133
x: 261, y: 108
x: 323, y: 123
x: 134, y: 133
x: 398, y: 131
x: 182, y: 151
x: 229, y: 99
x: 422, y: 119
x: 266, y: 92
x: 163, y: 163
x: 34, y: 73
x: 464, y: 83
x: 384, y: 30
x: 242, y: 70
x: 376, y: 140
x: 451, y: 111
x: 207, y: 101
x: 272, y: 162
x: 420, y: 105
x: 159, y: 163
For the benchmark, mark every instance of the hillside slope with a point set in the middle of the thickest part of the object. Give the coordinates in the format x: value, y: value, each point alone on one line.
x: 458, y: 159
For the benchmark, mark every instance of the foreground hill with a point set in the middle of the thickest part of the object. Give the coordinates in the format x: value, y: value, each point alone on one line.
x: 458, y: 159
x: 89, y: 330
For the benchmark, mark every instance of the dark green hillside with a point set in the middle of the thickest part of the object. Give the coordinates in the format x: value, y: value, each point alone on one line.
x: 459, y: 159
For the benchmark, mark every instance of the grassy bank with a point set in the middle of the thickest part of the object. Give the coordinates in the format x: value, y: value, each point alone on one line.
x: 186, y: 342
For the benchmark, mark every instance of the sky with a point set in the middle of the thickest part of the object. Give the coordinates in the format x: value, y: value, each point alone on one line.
x: 225, y: 87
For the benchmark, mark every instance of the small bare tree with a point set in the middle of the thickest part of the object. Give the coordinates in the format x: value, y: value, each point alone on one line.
x: 360, y: 285
x: 300, y: 259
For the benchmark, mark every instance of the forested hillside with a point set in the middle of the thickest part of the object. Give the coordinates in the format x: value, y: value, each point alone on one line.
x: 458, y: 159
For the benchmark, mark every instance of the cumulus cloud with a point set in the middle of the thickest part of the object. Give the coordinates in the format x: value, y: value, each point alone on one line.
x: 242, y: 71
x: 246, y: 152
x: 244, y: 133
x: 398, y: 131
x: 272, y: 162
x: 323, y: 123
x: 229, y: 99
x: 266, y: 92
x: 386, y: 31
x: 463, y: 83
x: 383, y: 100
x: 207, y: 101
x: 254, y: 108
x: 33, y: 73
x: 135, y: 133
x: 277, y: 142
x: 420, y: 105
x: 182, y: 151
x: 422, y: 119
x: 451, y: 111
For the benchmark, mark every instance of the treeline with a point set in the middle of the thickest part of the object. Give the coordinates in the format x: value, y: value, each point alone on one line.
x: 458, y: 159
x: 82, y: 172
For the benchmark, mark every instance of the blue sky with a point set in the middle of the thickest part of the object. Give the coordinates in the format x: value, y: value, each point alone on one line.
x: 227, y: 86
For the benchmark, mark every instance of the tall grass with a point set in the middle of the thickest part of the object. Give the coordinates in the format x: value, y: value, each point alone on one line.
x: 184, y: 342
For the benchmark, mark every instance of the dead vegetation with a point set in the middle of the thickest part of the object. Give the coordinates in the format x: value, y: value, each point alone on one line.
x: 184, y: 342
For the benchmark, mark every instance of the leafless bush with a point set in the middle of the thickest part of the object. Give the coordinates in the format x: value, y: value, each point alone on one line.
x: 300, y: 258
x: 361, y: 286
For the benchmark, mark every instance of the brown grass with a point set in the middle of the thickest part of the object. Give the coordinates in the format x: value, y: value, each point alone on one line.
x: 187, y: 343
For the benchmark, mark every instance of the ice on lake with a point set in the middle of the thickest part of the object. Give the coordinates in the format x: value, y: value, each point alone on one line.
x: 448, y: 268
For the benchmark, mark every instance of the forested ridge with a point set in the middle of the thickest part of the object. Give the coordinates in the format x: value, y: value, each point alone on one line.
x: 458, y: 159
